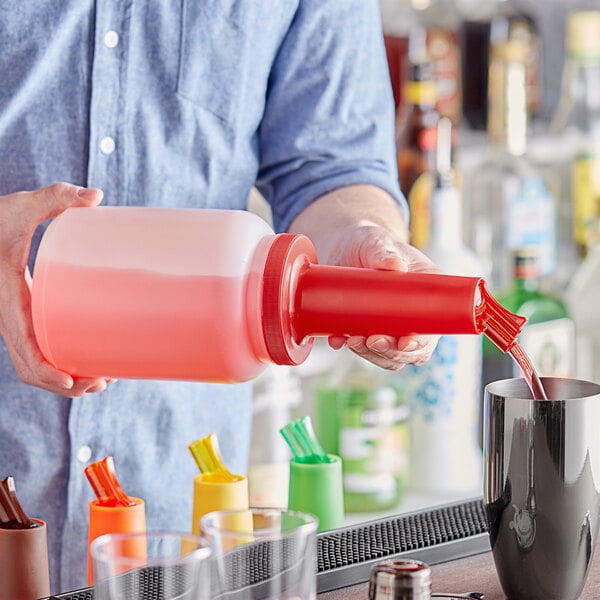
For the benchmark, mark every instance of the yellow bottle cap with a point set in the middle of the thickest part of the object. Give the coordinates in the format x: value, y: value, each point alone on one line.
x: 420, y: 92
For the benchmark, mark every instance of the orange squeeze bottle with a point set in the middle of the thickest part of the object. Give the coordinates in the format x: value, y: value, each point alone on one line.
x: 112, y: 511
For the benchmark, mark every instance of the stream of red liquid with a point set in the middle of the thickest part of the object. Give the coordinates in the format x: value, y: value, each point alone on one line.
x: 529, y: 373
x: 502, y: 327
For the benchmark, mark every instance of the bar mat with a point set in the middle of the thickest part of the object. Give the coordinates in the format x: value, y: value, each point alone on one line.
x: 345, y: 556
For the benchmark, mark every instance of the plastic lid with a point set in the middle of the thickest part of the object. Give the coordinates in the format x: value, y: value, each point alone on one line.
x: 288, y: 256
x: 583, y: 34
x: 526, y: 263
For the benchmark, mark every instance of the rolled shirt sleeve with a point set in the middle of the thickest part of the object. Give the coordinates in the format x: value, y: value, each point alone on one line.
x: 329, y: 115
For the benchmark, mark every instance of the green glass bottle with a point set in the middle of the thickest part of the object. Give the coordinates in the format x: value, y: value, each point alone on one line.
x: 360, y: 415
x: 548, y: 337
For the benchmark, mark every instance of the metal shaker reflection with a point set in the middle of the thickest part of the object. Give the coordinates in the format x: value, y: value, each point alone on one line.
x: 542, y: 485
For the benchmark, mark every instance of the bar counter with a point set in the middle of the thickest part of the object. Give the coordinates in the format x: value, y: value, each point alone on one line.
x: 472, y: 574
x: 452, y: 539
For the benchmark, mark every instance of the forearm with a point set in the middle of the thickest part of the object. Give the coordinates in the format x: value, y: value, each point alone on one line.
x: 329, y: 217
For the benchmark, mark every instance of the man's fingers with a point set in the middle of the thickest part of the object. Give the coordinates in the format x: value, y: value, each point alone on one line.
x: 20, y: 214
x: 391, y: 353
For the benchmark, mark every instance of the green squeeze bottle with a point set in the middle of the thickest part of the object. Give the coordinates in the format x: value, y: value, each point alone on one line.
x: 315, y: 485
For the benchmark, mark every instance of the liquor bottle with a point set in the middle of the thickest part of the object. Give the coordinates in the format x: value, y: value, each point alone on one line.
x: 548, y: 337
x: 435, y: 27
x: 443, y: 394
x: 440, y: 21
x: 576, y: 125
x: 416, y: 139
x: 361, y: 416
x: 495, y: 23
x: 416, y: 123
x: 398, y: 18
x: 507, y: 203
x: 583, y: 299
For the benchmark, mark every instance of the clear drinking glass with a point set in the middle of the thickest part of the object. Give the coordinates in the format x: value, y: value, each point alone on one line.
x: 162, y: 565
x: 262, y: 553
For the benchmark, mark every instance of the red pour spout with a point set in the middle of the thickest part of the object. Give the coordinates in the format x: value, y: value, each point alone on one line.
x: 302, y: 299
x: 498, y: 324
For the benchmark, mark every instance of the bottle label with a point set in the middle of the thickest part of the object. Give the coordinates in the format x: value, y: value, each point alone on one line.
x: 427, y: 139
x: 373, y: 446
x: 441, y: 389
x: 531, y: 222
x: 585, y: 191
x: 444, y: 49
x: 550, y: 346
x: 382, y: 484
x: 419, y: 202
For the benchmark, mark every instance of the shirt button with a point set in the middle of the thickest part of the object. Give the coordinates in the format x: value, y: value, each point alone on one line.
x: 107, y: 145
x: 111, y: 39
x: 84, y: 453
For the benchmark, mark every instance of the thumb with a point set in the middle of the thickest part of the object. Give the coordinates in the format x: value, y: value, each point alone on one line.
x: 22, y: 212
x: 48, y: 202
x: 381, y: 251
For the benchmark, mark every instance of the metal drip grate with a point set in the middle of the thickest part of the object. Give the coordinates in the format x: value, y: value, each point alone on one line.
x: 345, y: 556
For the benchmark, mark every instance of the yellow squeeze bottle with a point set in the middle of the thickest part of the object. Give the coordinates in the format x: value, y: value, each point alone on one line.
x: 215, y: 488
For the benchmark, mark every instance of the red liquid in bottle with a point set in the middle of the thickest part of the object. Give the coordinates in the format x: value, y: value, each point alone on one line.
x: 180, y: 339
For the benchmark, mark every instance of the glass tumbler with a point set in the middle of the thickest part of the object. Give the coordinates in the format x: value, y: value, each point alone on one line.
x: 157, y: 565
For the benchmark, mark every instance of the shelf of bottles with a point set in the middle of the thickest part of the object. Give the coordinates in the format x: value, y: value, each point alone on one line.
x: 502, y: 182
x: 498, y: 148
x: 528, y: 181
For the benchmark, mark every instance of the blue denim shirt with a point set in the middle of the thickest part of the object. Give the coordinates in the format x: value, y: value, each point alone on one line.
x: 173, y: 103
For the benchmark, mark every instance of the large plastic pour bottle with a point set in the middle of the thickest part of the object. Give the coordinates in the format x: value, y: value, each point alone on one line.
x: 215, y: 295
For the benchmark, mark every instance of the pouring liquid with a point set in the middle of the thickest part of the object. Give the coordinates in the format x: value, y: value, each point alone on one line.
x: 529, y: 373
x: 502, y: 327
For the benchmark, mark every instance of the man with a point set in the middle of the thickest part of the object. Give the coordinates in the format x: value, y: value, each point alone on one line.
x: 178, y: 103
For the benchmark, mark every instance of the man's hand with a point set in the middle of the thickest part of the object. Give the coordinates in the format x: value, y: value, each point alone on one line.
x: 20, y: 214
x: 361, y: 226
x: 374, y: 247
